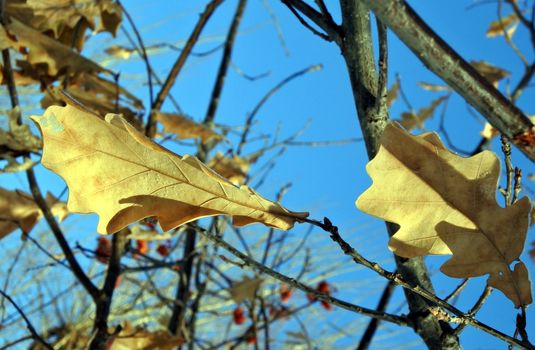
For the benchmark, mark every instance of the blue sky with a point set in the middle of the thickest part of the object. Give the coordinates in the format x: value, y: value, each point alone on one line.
x: 325, y: 180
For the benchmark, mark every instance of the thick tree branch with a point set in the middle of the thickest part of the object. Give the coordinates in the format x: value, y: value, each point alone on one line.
x: 440, y: 58
x: 357, y: 50
x: 103, y: 303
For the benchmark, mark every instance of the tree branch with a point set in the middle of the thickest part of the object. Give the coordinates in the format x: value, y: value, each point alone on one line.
x: 440, y: 58
x: 321, y: 19
x: 179, y: 63
x: 292, y: 282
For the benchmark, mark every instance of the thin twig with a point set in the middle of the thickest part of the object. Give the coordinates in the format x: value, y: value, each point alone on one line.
x: 249, y: 262
x: 461, y: 317
x: 179, y: 63
x: 267, y: 96
x: 367, y: 337
x: 29, y: 325
x: 60, y: 237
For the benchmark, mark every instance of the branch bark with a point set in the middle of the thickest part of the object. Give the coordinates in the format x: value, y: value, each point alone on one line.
x: 357, y: 50
x: 442, y: 60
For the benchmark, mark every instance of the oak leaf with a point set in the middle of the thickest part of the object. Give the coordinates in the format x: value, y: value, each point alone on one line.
x: 43, y: 50
x: 392, y: 94
x: 59, y: 16
x: 433, y: 87
x: 115, y: 171
x: 508, y: 24
x: 410, y: 120
x: 490, y: 72
x: 244, y: 289
x: 185, y: 128
x: 132, y: 338
x: 18, y: 210
x: 445, y: 204
x: 234, y: 169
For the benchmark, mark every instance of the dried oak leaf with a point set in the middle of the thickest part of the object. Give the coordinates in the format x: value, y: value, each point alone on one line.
x: 234, y: 169
x: 508, y: 24
x: 434, y: 87
x: 18, y: 138
x: 185, y: 128
x: 244, y: 289
x: 59, y: 16
x: 131, y: 338
x: 43, y: 50
x: 18, y: 210
x: 490, y: 72
x: 392, y: 94
x: 99, y: 95
x: 411, y: 121
x: 115, y: 171
x: 445, y: 204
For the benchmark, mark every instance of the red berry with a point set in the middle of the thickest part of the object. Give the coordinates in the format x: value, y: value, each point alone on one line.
x: 324, y: 287
x: 326, y: 305
x: 285, y: 293
x: 311, y: 298
x: 163, y: 250
x: 103, y: 251
x: 238, y: 316
x: 251, y: 339
x: 142, y: 246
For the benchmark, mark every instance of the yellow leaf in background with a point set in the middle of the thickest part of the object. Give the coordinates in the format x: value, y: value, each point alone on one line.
x: 392, y: 94
x: 488, y: 131
x: 244, y: 289
x: 492, y: 73
x: 19, y: 137
x: 509, y: 23
x: 185, y: 128
x: 433, y: 87
x: 57, y: 57
x: 99, y: 95
x: 412, y: 121
x: 131, y: 338
x: 234, y: 169
x: 59, y: 16
x: 115, y: 171
x: 121, y: 52
x: 18, y: 210
x: 138, y: 233
x: 446, y: 204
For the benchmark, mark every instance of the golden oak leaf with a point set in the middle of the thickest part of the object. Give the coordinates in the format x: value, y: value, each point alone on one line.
x: 234, y: 169
x: 99, y: 95
x: 507, y: 23
x: 115, y: 171
x: 445, y: 204
x: 121, y: 52
x: 57, y: 57
x: 185, y: 128
x: 488, y: 131
x: 18, y: 210
x: 433, y: 87
x: 392, y: 94
x: 138, y: 233
x: 131, y: 338
x: 61, y: 15
x: 18, y: 138
x: 244, y: 289
x: 410, y: 121
x: 490, y: 72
